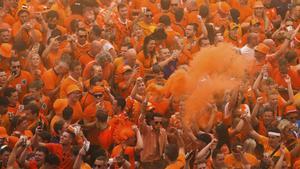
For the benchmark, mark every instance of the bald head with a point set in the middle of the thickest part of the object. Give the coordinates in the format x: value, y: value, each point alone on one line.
x: 271, y: 44
x: 252, y: 39
x: 95, y: 47
x: 191, y: 5
x: 130, y: 56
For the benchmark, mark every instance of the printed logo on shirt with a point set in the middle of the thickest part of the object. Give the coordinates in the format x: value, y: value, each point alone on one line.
x: 24, y: 81
x: 44, y: 106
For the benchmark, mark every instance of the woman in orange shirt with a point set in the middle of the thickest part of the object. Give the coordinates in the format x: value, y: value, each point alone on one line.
x: 35, y: 67
x: 148, y: 56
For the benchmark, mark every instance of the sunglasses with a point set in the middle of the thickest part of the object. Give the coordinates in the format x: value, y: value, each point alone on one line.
x: 98, y: 95
x: 148, y: 15
x: 174, y: 4
x: 82, y: 36
x: 17, y: 66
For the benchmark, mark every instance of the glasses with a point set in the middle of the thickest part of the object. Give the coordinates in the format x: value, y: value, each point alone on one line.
x: 82, y: 36
x: 98, y: 96
x: 149, y: 15
x: 17, y: 66
x: 174, y: 4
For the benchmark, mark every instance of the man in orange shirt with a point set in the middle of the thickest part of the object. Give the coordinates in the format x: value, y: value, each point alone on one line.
x: 190, y: 40
x: 74, y: 78
x: 90, y: 55
x: 99, y: 103
x: 240, y: 159
x: 122, y: 24
x: 165, y: 7
x: 52, y: 79
x: 63, y: 150
x: 171, y: 34
x: 82, y: 45
x: 20, y: 78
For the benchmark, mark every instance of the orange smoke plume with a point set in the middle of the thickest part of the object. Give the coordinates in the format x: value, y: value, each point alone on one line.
x: 212, y: 71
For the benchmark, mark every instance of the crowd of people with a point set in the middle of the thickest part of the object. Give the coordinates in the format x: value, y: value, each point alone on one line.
x: 82, y: 84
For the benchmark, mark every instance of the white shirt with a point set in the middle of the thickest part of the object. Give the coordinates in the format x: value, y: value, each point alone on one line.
x: 248, y: 52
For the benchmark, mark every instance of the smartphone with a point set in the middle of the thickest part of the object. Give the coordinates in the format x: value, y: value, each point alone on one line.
x: 23, y: 140
x: 289, y: 28
x: 144, y: 9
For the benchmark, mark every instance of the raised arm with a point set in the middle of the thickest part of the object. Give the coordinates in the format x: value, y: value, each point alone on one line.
x: 139, y: 143
x: 259, y: 102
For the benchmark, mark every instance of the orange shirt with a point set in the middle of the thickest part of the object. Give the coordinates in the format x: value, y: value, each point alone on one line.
x: 81, y: 49
x: 268, y: 149
x: 146, y: 61
x: 67, y: 82
x: 77, y: 110
x: 51, y: 80
x: 123, y: 30
x: 127, y: 151
x: 21, y: 83
x: 231, y: 162
x: 90, y: 111
x: 65, y: 156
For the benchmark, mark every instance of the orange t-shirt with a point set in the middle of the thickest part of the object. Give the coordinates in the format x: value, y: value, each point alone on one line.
x: 127, y: 151
x: 90, y: 111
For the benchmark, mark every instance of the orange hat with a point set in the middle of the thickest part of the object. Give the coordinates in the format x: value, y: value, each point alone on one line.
x: 290, y: 109
x: 258, y: 4
x: 126, y: 133
x: 72, y: 88
x: 28, y: 133
x: 224, y: 7
x: 263, y: 48
x: 12, y: 140
x: 5, y: 50
x: 59, y: 105
x: 3, y: 133
x: 126, y: 68
x: 98, y: 89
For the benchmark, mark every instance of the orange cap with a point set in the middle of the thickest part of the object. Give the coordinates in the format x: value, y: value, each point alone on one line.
x: 126, y: 68
x: 224, y: 7
x: 72, y: 88
x: 98, y: 89
x: 258, y: 4
x: 290, y: 109
x: 3, y: 132
x: 5, y: 50
x: 263, y: 48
